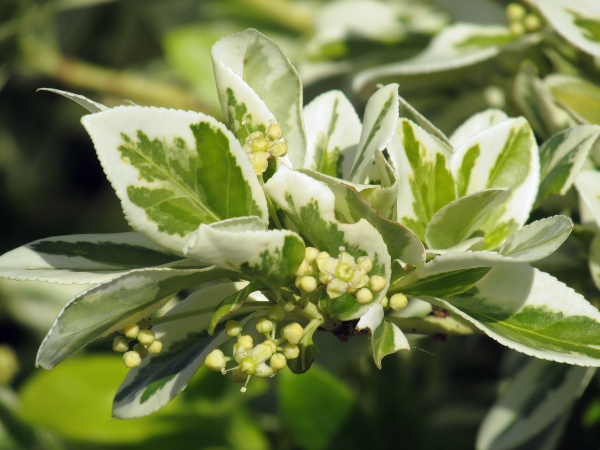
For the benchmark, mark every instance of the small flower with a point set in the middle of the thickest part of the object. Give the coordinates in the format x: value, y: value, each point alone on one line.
x: 293, y: 332
x: 398, y: 302
x: 132, y: 359
x: 120, y: 344
x: 215, y: 360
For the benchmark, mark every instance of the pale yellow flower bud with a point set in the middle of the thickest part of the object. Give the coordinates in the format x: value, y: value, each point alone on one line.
x: 264, y: 370
x: 517, y: 28
x: 156, y: 347
x: 327, y: 265
x: 532, y: 22
x: 384, y: 302
x: 272, y: 345
x: 398, y: 302
x: 275, y: 131
x: 245, y: 341
x: 132, y: 359
x: 377, y: 283
x: 293, y: 332
x: 131, y: 331
x: 515, y: 11
x: 261, y: 352
x: 311, y: 253
x: 336, y: 287
x: 303, y: 269
x: 215, y: 360
x: 146, y: 337
x: 278, y: 149
x: 264, y: 325
x: 260, y: 162
x: 278, y: 361
x: 233, y: 328
x: 120, y: 344
x: 291, y: 351
x: 307, y: 284
x: 365, y: 262
x: 347, y: 258
x: 364, y: 296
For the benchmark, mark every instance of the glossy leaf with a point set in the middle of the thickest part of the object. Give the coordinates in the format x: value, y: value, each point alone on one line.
x: 243, y: 245
x: 111, y: 305
x: 540, y: 393
x: 186, y: 343
x: 88, y: 104
x: 475, y: 124
x: 310, y: 205
x: 460, y: 220
x: 588, y: 186
x: 533, y: 313
x: 455, y: 46
x: 379, y: 123
x: 332, y: 134
x: 82, y: 258
x: 563, y: 156
x: 579, y: 96
x: 402, y: 243
x: 538, y: 239
x: 423, y: 171
x: 503, y: 156
x: 261, y: 65
x: 578, y: 22
x: 174, y: 170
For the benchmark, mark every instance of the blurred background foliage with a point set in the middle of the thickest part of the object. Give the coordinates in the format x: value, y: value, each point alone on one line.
x: 157, y: 52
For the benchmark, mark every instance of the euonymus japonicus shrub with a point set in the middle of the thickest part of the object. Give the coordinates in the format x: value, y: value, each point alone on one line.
x: 285, y: 220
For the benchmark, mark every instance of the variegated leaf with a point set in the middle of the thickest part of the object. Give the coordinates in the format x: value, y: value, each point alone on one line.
x: 578, y: 22
x: 88, y: 104
x: 423, y: 171
x: 243, y: 245
x: 174, y: 170
x: 533, y: 313
x: 538, y: 239
x: 460, y: 220
x: 261, y: 65
x: 407, y: 111
x: 402, y: 244
x: 455, y: 46
x: 475, y: 124
x: 536, y: 398
x: 503, y: 156
x: 379, y: 123
x: 453, y: 273
x: 538, y: 104
x: 186, y: 343
x: 562, y: 157
x: 82, y: 258
x: 386, y: 337
x: 588, y: 186
x: 111, y: 305
x: 332, y: 134
x: 310, y: 205
x: 580, y: 97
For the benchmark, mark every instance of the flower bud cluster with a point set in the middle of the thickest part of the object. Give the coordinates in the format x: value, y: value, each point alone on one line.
x: 395, y: 302
x: 339, y: 276
x: 260, y: 147
x: 520, y: 21
x: 144, y: 341
x: 262, y: 359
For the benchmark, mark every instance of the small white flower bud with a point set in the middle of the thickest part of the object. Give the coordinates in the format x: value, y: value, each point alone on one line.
x: 120, y: 344
x: 233, y: 328
x: 156, y: 347
x: 307, y: 284
x: 532, y: 22
x: 276, y: 313
x: 515, y: 11
x: 261, y: 352
x: 278, y: 361
x: 291, y: 351
x: 293, y: 332
x: 336, y: 287
x: 132, y: 359
x: 364, y: 296
x: 248, y: 365
x: 321, y: 256
x: 303, y: 269
x: 215, y: 360
x: 131, y: 331
x: 146, y: 337
x: 278, y: 149
x: 263, y: 370
x: 517, y: 28
x: 398, y: 302
x: 384, y: 302
x: 325, y: 278
x: 311, y: 253
x: 365, y: 262
x: 245, y: 341
x: 288, y: 307
x: 272, y: 345
x: 264, y: 325
x: 377, y: 283
x: 260, y: 162
x: 275, y: 131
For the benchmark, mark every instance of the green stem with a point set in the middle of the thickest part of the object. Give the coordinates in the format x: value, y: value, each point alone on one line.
x: 198, y: 312
x: 431, y: 325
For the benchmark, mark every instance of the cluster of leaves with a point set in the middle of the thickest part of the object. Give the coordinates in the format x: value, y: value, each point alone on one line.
x: 446, y: 219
